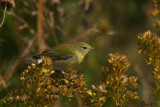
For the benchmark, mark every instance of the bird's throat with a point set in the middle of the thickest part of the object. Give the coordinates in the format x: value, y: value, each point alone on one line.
x: 79, y: 58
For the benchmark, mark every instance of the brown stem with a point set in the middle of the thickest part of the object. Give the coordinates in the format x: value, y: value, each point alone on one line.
x: 11, y: 70
x: 41, y: 43
x: 84, y: 35
x: 3, y: 82
x: 19, y: 18
x: 4, y: 14
x: 79, y: 100
x: 5, y: 63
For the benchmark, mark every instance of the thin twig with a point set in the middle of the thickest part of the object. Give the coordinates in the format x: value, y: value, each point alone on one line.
x: 88, y: 33
x: 50, y: 25
x: 4, y: 14
x: 84, y: 35
x: 3, y: 83
x: 24, y: 23
x: 5, y: 63
x: 9, y: 84
x: 12, y: 69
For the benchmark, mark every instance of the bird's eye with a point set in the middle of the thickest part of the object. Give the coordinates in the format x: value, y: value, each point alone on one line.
x: 84, y: 47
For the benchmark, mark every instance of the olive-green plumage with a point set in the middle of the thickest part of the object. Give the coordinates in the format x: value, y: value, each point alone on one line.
x: 66, y: 55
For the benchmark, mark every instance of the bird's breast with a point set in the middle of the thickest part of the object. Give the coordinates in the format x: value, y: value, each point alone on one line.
x: 78, y: 58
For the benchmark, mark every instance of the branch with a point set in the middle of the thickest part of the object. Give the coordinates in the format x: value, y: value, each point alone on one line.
x: 40, y: 20
x: 19, y: 18
x: 4, y: 14
x: 3, y: 83
x: 5, y: 63
x: 90, y: 32
x: 12, y: 69
x: 84, y: 35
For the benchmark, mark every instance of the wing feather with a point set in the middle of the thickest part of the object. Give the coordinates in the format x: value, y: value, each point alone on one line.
x: 60, y: 52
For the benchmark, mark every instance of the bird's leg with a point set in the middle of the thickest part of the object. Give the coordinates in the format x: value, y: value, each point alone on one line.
x: 63, y: 72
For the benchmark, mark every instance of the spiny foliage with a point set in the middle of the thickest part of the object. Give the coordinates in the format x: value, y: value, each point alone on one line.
x: 116, y: 81
x: 156, y: 11
x: 42, y: 86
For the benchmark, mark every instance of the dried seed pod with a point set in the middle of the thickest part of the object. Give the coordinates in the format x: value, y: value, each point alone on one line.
x: 9, y: 3
x: 6, y: 5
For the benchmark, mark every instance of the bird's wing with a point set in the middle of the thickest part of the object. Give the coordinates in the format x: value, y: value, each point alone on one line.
x: 60, y: 52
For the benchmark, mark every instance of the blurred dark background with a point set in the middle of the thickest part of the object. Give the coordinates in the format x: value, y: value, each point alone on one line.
x: 111, y: 26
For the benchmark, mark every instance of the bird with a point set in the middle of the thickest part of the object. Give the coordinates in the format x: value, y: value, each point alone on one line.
x: 66, y: 56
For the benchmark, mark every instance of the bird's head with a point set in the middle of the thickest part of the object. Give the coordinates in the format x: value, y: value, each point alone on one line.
x: 82, y: 47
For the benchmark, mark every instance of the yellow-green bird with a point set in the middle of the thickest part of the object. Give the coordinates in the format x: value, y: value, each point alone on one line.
x: 66, y: 55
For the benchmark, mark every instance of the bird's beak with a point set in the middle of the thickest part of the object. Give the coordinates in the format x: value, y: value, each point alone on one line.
x: 92, y: 48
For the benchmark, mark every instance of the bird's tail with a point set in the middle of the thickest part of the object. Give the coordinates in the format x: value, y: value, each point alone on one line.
x: 31, y: 58
x: 25, y: 58
x: 37, y: 56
